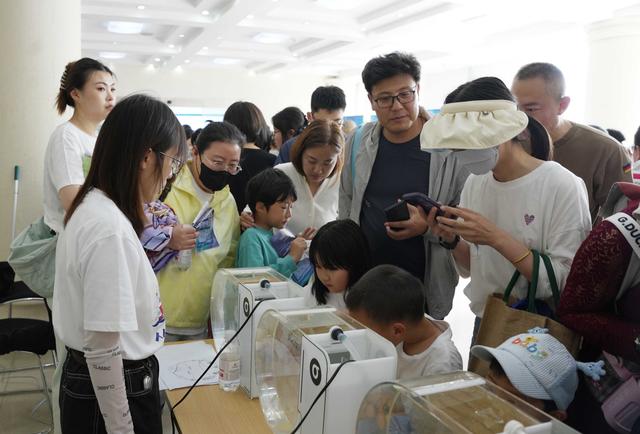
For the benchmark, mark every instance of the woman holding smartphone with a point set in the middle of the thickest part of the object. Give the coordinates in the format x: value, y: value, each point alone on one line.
x: 525, y: 202
x: 107, y: 308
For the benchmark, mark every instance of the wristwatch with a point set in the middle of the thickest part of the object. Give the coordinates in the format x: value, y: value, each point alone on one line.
x: 449, y: 245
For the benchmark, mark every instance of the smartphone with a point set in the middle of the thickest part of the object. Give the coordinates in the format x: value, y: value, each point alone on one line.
x: 397, y: 212
x: 424, y: 201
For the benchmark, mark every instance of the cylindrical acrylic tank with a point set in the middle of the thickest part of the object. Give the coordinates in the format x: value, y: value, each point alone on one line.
x: 278, y: 353
x: 454, y: 403
x: 224, y: 293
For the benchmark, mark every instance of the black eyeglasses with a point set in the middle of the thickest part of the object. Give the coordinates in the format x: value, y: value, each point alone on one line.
x: 176, y: 164
x: 403, y: 97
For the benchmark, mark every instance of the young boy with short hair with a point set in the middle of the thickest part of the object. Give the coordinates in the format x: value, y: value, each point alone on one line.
x: 390, y: 301
x: 270, y: 195
x: 537, y: 368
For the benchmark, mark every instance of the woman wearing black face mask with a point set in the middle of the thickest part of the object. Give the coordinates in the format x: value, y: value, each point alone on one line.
x: 202, y: 182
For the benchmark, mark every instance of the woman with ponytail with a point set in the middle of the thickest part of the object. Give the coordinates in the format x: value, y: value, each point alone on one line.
x: 88, y: 87
x: 287, y: 123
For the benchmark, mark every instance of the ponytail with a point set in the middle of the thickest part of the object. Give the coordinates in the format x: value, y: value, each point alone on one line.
x: 535, y: 140
x: 301, y: 128
x: 290, y: 118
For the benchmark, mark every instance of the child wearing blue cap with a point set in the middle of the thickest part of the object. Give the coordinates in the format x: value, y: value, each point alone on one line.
x: 537, y: 368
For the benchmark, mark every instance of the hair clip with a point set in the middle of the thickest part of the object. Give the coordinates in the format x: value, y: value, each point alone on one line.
x: 63, y: 79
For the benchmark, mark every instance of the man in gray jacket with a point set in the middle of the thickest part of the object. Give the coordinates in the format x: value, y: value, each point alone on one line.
x: 386, y: 162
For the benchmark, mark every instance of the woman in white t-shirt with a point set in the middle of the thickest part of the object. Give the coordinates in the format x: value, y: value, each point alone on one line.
x: 526, y: 202
x: 89, y: 87
x: 106, y: 306
x: 316, y: 161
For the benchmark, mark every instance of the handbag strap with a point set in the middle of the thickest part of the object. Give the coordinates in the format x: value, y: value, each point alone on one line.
x: 553, y: 282
x: 533, y: 285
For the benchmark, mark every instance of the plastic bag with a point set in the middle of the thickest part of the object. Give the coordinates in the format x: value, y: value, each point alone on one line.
x: 33, y: 257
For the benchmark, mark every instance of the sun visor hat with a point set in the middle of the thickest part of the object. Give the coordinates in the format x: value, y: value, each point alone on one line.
x: 473, y: 125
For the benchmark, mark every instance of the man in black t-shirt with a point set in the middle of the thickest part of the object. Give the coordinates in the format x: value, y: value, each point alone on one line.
x: 400, y: 166
x: 383, y: 161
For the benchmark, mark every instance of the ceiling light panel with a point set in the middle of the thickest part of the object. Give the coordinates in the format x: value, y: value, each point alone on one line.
x: 270, y: 38
x: 112, y: 55
x: 125, y: 27
x: 340, y: 5
x: 225, y: 61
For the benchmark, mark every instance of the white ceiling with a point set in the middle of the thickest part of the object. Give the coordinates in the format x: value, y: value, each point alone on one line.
x: 332, y: 37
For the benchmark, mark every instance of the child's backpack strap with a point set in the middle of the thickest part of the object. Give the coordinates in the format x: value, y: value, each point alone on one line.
x: 629, y: 227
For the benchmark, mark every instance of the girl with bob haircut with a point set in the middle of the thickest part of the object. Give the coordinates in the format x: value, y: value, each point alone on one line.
x: 316, y: 162
x: 519, y: 202
x: 340, y: 255
x: 106, y: 307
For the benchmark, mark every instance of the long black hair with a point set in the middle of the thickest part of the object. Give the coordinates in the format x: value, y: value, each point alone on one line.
x: 339, y: 245
x: 136, y: 124
x: 538, y: 142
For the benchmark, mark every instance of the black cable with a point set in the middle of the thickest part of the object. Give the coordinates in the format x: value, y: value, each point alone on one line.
x: 173, y: 417
x: 319, y: 395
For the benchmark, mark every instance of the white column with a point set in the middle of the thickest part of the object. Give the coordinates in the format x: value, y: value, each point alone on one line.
x: 613, y: 75
x: 37, y: 39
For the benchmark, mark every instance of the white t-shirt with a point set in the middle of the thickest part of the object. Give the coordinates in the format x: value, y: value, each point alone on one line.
x: 104, y: 281
x: 68, y: 146
x: 547, y: 210
x: 441, y: 357
x: 333, y: 299
x: 203, y: 196
x: 308, y: 210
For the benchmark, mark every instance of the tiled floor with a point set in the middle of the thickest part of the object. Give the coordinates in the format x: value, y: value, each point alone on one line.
x: 16, y: 415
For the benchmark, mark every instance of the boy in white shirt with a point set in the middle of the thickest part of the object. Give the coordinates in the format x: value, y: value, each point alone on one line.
x: 390, y: 301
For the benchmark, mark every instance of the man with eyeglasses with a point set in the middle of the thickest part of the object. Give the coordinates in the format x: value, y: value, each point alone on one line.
x: 327, y: 104
x: 383, y: 161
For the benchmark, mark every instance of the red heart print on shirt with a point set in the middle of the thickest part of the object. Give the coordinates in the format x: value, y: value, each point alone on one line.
x: 528, y: 219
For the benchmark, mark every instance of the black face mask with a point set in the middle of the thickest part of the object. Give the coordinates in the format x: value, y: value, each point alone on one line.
x: 212, y: 179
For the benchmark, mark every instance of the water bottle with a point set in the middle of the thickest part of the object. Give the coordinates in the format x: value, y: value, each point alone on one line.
x: 229, y: 370
x: 184, y: 256
x: 184, y: 259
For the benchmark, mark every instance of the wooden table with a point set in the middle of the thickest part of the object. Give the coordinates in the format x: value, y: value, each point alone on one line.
x: 208, y: 409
